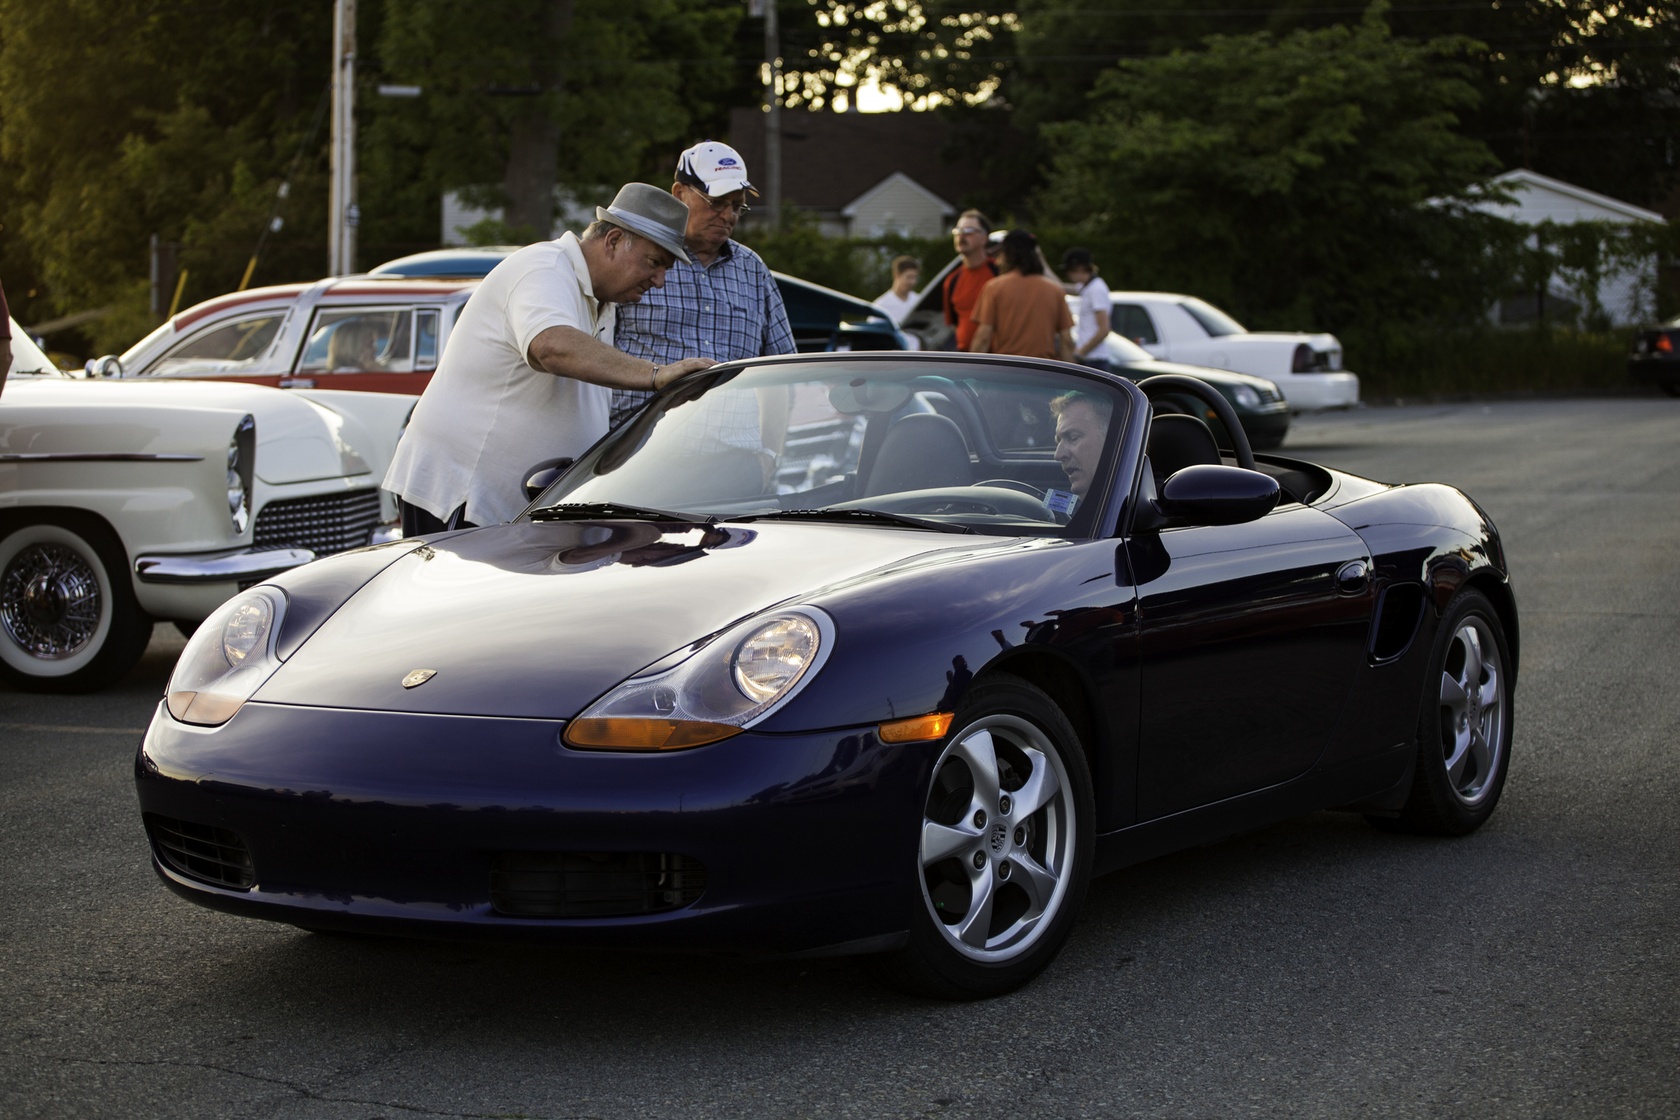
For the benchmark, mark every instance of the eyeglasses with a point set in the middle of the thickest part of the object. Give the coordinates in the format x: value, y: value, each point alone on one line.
x: 965, y: 231
x: 719, y: 205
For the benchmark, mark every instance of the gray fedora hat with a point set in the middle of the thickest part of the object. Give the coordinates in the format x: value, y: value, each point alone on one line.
x: 655, y: 214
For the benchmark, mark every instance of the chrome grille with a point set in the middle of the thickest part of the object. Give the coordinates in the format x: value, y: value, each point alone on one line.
x: 199, y: 851
x: 324, y: 525
x: 593, y: 884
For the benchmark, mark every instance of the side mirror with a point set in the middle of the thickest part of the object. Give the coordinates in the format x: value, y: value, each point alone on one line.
x: 1217, y: 495
x: 108, y: 366
x: 543, y: 474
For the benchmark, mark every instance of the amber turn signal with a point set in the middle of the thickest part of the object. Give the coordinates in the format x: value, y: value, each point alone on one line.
x: 916, y: 729
x: 644, y: 734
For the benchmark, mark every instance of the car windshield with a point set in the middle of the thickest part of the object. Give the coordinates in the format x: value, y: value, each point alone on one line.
x: 1213, y: 320
x: 894, y: 443
x: 26, y: 356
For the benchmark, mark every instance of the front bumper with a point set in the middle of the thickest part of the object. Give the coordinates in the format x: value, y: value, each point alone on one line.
x: 1312, y: 392
x: 397, y: 823
x: 244, y: 565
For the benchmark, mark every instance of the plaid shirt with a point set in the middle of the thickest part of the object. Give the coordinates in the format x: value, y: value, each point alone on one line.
x: 726, y: 310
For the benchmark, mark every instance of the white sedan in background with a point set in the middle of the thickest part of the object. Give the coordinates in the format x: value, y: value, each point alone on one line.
x: 1178, y: 328
x: 125, y: 503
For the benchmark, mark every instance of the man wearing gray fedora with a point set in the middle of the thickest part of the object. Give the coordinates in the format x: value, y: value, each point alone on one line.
x: 529, y: 369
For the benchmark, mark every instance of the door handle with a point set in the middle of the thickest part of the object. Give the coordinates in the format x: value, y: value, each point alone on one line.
x: 1352, y: 577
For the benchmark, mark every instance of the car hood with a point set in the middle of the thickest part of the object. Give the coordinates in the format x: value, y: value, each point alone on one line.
x: 297, y: 439
x: 539, y: 619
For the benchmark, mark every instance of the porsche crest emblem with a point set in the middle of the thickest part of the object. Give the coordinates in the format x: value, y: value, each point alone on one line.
x: 418, y: 677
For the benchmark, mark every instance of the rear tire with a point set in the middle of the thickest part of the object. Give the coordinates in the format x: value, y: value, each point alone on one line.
x: 69, y: 621
x: 1464, y: 725
x: 1004, y: 851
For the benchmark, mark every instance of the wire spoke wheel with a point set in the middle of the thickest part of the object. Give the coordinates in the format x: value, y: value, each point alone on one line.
x: 69, y: 621
x: 50, y: 602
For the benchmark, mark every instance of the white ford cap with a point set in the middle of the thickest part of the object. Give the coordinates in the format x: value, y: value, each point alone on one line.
x: 714, y: 168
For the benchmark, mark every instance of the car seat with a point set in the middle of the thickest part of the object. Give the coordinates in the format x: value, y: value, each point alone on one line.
x: 1177, y: 441
x: 920, y: 452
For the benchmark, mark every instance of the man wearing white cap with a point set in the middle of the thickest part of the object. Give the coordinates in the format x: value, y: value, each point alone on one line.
x: 721, y: 302
x: 529, y: 369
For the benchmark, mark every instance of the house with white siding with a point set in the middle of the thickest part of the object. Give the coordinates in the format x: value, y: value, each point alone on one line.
x: 1625, y: 294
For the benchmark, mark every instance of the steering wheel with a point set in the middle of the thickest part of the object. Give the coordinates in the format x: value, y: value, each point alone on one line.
x: 1164, y: 383
x: 1012, y: 484
x: 956, y: 500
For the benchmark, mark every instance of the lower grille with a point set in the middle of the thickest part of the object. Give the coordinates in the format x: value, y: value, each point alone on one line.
x: 200, y: 851
x: 326, y: 524
x: 593, y: 884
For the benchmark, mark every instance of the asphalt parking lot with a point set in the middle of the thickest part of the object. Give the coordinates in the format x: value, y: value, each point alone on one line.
x: 1317, y: 968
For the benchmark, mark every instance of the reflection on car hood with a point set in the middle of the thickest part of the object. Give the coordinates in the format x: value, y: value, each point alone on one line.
x: 539, y: 619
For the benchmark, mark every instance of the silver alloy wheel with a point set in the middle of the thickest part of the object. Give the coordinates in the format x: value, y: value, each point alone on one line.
x: 997, y: 843
x: 50, y: 601
x: 1472, y: 709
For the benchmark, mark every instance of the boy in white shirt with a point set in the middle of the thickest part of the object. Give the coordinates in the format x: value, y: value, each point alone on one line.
x: 898, y: 301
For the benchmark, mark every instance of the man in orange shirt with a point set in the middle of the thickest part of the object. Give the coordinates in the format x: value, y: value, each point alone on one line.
x: 1023, y: 311
x: 963, y: 284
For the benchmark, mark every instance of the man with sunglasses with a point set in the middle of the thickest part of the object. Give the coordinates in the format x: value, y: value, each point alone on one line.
x: 962, y: 284
x: 723, y: 303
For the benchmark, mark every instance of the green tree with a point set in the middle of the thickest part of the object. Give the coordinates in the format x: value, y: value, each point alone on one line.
x: 125, y: 118
x: 522, y: 96
x: 1577, y: 89
x: 1310, y: 179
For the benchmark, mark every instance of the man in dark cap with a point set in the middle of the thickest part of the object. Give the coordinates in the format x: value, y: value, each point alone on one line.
x: 529, y: 369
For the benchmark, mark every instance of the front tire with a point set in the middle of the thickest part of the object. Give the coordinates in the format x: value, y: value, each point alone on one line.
x: 1005, y: 847
x: 69, y: 621
x: 1464, y: 726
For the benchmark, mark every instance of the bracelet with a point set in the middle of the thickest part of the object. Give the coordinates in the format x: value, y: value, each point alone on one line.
x: 654, y: 384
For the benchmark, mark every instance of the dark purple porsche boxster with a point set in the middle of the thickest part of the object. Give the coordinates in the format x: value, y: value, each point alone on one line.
x: 883, y: 653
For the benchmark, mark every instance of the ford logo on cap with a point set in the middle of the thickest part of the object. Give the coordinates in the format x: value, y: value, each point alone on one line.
x: 726, y: 162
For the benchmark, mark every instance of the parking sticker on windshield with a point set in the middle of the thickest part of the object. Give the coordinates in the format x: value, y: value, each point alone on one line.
x: 1060, y: 501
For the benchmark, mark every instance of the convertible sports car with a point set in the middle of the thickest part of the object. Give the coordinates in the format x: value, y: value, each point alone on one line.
x: 845, y: 653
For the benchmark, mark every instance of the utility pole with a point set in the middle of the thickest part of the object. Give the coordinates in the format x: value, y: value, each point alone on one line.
x: 342, y: 213
x: 773, y: 120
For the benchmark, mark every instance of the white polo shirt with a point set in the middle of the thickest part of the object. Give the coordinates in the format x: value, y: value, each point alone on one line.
x: 1094, y: 297
x: 487, y: 417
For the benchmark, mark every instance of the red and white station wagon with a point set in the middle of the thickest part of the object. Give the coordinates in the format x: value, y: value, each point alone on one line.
x: 354, y: 332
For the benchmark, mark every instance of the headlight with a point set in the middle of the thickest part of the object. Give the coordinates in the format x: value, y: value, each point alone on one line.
x: 1245, y: 397
x: 228, y: 658
x: 733, y: 682
x: 241, y: 465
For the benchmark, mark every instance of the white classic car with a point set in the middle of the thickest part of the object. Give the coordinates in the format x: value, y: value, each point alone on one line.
x: 122, y: 504
x: 1178, y: 328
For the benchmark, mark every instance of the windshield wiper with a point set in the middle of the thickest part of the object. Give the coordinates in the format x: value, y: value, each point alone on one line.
x: 829, y: 513
x: 591, y: 511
